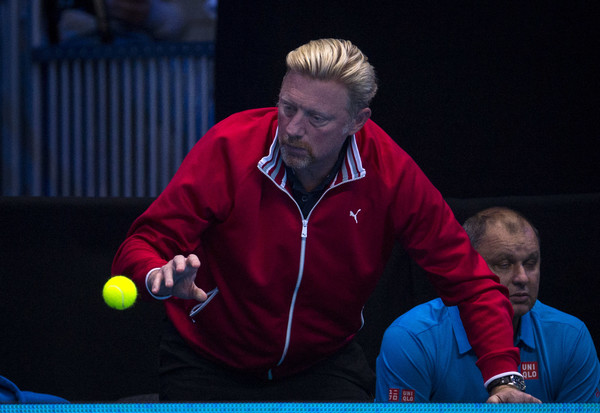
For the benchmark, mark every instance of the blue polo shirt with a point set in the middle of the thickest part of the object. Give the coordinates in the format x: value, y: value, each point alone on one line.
x: 426, y: 357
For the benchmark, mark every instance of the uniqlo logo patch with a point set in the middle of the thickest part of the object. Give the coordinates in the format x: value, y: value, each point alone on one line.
x: 401, y: 396
x: 408, y: 396
x: 529, y: 370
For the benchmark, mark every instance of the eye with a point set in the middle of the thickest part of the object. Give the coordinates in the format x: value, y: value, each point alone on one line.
x: 287, y: 109
x: 317, y: 120
x: 503, y: 265
x: 531, y: 264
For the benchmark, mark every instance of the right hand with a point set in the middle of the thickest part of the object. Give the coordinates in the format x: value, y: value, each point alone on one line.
x: 510, y: 394
x: 176, y: 278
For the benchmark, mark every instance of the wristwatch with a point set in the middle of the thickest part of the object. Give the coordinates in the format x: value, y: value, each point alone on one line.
x: 515, y: 380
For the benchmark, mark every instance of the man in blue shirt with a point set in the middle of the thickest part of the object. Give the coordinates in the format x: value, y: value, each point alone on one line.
x: 426, y: 357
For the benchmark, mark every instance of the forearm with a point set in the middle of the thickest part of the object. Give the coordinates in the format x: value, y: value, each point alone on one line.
x: 135, y: 258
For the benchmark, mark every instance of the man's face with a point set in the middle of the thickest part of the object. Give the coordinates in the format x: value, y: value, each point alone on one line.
x: 515, y: 259
x: 313, y: 123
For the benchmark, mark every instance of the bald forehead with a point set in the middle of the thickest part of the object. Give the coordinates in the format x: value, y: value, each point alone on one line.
x: 511, y: 223
x: 509, y: 228
x: 505, y: 218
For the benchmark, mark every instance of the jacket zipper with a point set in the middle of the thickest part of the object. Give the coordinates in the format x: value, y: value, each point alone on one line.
x: 294, y: 296
x: 304, y: 236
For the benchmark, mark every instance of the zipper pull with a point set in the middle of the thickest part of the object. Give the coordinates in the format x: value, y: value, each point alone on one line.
x: 304, y: 228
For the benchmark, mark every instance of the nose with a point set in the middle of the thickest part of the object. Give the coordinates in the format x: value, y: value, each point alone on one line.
x: 296, y: 127
x: 520, y: 275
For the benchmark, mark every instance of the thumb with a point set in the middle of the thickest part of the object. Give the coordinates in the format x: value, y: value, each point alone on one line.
x: 198, y: 294
x: 494, y: 399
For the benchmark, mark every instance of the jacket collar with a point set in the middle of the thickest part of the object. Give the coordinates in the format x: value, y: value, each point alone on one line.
x: 272, y: 164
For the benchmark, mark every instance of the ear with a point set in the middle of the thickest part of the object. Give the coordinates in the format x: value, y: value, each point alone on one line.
x: 360, y: 119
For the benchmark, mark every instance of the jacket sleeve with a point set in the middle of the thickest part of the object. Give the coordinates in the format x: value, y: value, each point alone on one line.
x: 196, y: 197
x: 437, y: 242
x: 199, y: 195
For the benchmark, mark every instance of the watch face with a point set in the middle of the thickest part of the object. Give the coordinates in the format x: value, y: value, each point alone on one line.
x: 519, y: 382
x: 511, y: 380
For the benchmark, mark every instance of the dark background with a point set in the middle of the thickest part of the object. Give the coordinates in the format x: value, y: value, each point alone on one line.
x: 490, y: 98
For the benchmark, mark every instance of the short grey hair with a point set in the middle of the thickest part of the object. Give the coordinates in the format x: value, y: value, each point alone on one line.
x: 477, y: 225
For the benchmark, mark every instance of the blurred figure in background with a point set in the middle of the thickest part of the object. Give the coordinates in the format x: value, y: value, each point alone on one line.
x: 96, y: 21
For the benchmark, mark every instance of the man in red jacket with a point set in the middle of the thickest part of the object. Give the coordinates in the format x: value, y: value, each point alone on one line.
x: 273, y: 233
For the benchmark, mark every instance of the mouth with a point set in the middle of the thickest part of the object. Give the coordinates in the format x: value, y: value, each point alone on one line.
x: 519, y: 298
x: 294, y: 150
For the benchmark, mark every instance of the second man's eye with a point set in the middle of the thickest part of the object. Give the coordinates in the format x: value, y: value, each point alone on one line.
x: 502, y: 265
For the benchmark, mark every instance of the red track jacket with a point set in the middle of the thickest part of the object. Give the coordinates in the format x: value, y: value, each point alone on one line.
x: 291, y: 290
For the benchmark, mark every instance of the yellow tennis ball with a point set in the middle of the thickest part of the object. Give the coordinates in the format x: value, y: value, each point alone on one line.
x: 119, y: 292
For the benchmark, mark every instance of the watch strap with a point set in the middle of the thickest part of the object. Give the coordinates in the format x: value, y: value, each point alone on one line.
x: 515, y: 380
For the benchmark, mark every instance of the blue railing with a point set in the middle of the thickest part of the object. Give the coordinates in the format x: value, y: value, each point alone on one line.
x: 118, y: 120
x: 305, y: 408
x: 98, y: 120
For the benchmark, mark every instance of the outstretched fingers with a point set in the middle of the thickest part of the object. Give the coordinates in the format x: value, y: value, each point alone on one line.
x: 177, y: 277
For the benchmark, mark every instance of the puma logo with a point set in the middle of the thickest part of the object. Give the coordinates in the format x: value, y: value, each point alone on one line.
x: 355, y: 215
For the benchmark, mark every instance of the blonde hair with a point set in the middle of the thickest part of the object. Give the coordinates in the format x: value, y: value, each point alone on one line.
x: 338, y: 60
